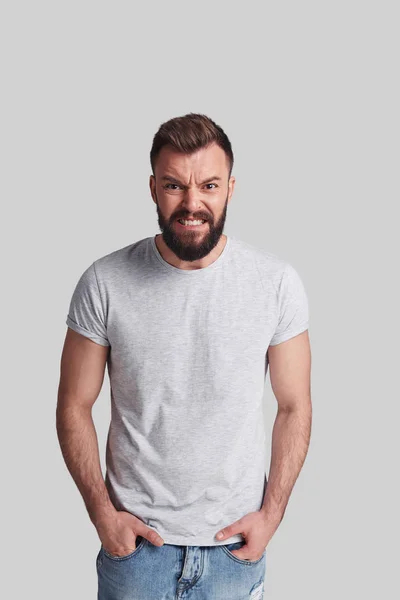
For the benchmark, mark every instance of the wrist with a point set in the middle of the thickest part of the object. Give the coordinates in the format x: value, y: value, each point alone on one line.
x: 99, y: 513
x: 272, y: 514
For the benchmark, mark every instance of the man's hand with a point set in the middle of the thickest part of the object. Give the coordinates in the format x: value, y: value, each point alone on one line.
x: 118, y: 532
x: 257, y: 530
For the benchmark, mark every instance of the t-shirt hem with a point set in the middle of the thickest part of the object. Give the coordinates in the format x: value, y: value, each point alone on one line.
x: 86, y: 333
x: 208, y: 540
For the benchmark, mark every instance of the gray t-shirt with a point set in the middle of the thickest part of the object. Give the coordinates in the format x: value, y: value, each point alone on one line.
x: 187, y: 366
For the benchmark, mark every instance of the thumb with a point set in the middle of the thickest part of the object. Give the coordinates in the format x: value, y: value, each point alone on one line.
x: 149, y: 534
x: 229, y: 530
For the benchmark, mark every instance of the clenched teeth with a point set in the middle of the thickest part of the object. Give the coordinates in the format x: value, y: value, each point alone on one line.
x: 184, y: 222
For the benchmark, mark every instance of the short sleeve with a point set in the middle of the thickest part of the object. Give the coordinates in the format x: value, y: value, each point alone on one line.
x: 293, y: 307
x: 85, y: 315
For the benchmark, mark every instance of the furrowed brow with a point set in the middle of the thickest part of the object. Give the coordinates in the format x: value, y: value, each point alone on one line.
x: 176, y: 181
x: 210, y: 179
x: 171, y: 179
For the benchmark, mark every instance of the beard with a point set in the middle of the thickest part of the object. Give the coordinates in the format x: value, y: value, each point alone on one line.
x: 191, y: 245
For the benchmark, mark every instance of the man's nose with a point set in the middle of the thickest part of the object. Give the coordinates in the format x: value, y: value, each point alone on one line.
x: 191, y: 201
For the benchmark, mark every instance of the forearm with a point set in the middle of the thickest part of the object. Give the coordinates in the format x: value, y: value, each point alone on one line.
x: 79, y: 445
x: 290, y: 441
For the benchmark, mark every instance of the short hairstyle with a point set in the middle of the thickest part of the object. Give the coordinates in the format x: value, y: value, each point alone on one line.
x: 190, y: 133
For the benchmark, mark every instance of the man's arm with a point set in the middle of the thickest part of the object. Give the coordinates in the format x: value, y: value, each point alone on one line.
x: 290, y: 370
x: 81, y: 378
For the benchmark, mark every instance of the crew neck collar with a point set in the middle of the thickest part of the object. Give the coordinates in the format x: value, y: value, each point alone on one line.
x: 192, y: 272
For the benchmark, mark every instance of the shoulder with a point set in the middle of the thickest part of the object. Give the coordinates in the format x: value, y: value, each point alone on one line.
x: 271, y: 267
x: 115, y: 263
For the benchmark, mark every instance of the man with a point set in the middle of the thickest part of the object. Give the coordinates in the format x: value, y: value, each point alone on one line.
x: 187, y: 321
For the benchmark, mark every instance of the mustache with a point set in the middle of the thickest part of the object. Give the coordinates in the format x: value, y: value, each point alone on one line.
x: 194, y: 217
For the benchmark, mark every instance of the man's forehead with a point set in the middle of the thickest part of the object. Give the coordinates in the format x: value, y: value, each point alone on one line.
x: 206, y: 162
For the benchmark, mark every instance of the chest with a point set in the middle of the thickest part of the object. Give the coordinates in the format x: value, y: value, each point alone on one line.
x: 191, y: 323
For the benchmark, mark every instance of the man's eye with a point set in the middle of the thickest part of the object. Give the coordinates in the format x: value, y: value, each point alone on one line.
x: 175, y: 186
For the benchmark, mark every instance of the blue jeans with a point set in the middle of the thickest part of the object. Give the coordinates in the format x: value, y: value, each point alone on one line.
x: 172, y: 572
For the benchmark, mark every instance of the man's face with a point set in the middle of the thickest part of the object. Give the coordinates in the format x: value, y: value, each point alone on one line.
x: 191, y: 187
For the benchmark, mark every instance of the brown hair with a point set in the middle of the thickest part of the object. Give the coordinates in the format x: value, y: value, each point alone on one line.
x: 188, y: 134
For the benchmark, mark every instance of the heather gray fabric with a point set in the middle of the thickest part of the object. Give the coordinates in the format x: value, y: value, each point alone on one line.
x: 187, y: 366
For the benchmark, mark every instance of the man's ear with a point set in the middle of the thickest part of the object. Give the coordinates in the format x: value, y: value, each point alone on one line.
x: 152, y: 184
x: 231, y: 186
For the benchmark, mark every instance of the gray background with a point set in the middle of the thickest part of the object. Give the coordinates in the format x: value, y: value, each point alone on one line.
x: 308, y: 93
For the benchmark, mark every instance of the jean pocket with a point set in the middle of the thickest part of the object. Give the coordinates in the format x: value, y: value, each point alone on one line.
x: 235, y: 546
x: 140, y: 541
